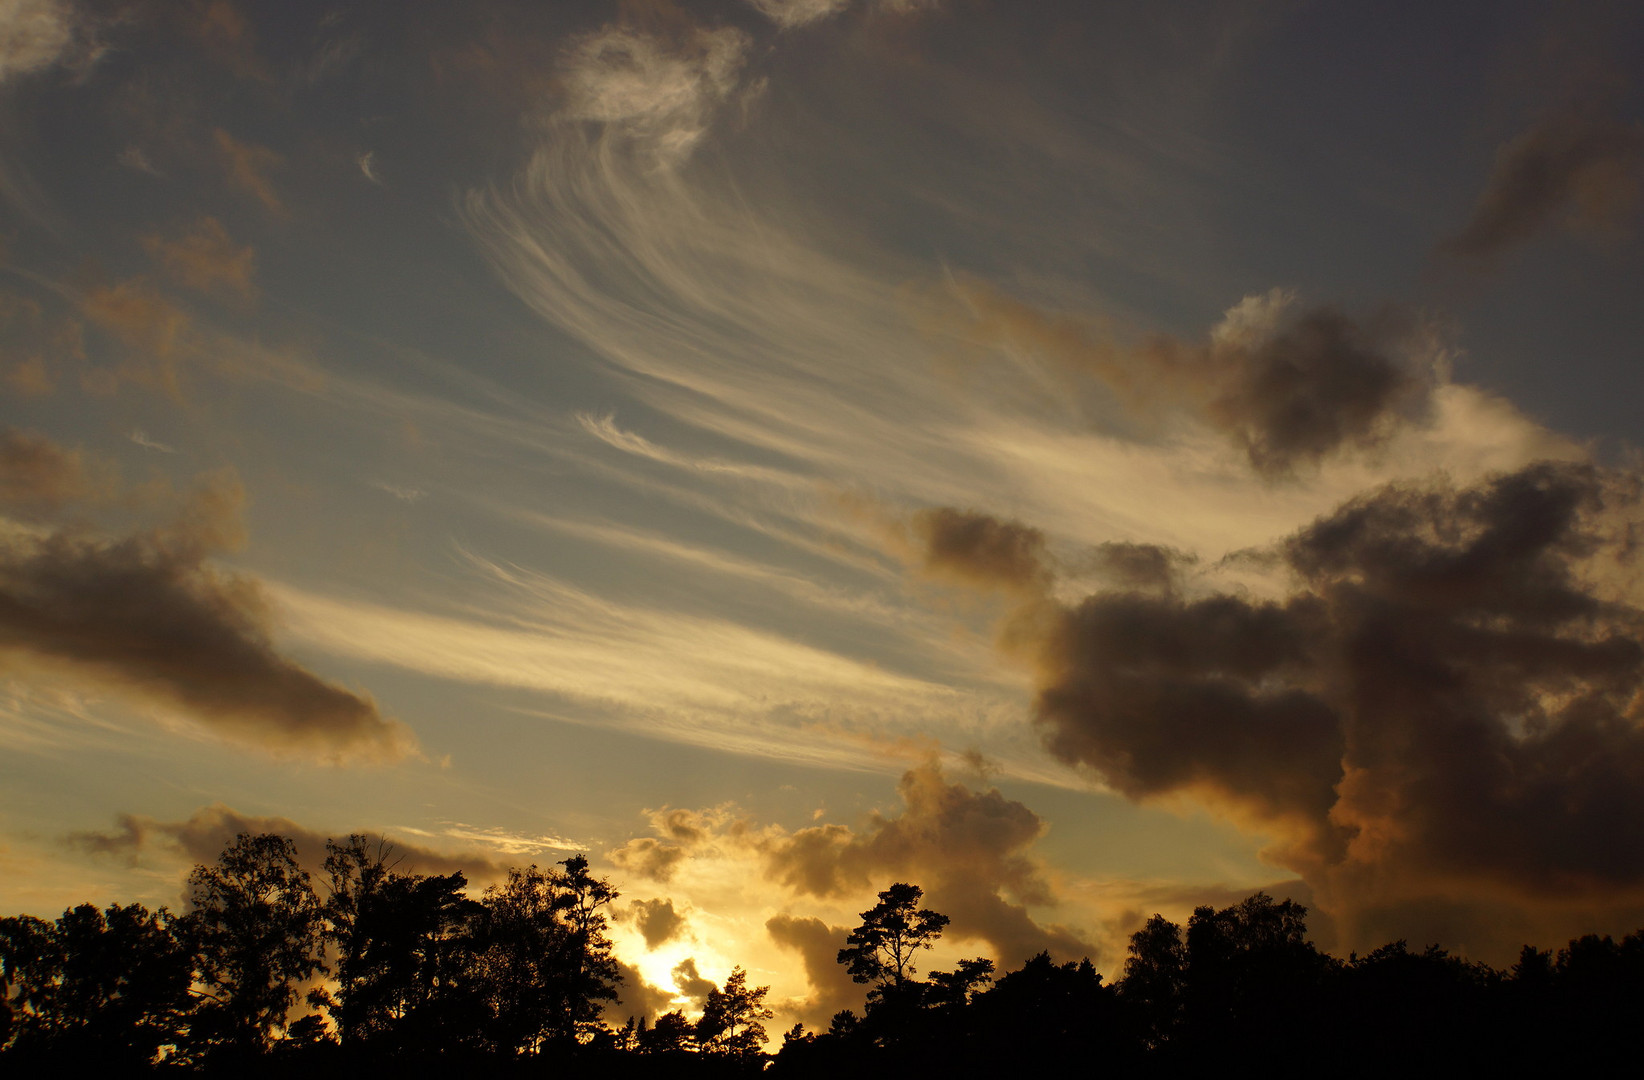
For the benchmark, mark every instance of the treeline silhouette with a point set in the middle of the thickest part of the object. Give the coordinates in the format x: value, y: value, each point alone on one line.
x: 397, y: 970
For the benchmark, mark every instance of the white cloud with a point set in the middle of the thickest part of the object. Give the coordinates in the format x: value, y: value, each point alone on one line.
x: 786, y: 13
x: 661, y: 96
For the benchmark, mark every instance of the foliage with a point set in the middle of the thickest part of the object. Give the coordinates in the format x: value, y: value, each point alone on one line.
x: 545, y: 961
x: 255, y: 929
x: 399, y: 942
x: 881, y: 950
x: 106, y: 985
x: 732, y: 1018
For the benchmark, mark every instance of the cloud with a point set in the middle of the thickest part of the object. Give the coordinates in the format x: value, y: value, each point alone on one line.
x: 147, y: 614
x: 969, y: 850
x: 690, y: 982
x: 658, y: 921
x: 139, y: 437
x: 205, y: 259
x: 35, y: 35
x: 368, y: 166
x: 657, y: 94
x: 37, y: 474
x: 38, y: 345
x: 818, y: 945
x: 1442, y: 714
x: 132, y: 157
x: 1137, y: 567
x: 636, y: 997
x: 248, y: 165
x: 975, y: 549
x: 149, y: 325
x: 402, y: 492
x: 1581, y: 161
x: 791, y: 13
x: 203, y: 835
x: 1289, y: 388
x: 648, y: 857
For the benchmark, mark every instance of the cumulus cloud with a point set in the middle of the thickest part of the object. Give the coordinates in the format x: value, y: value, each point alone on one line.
x: 636, y: 998
x: 648, y: 857
x: 1290, y: 388
x: 1441, y: 717
x: 1581, y: 161
x: 657, y: 920
x: 969, y: 850
x: 818, y: 945
x: 203, y: 835
x: 657, y: 93
x: 147, y: 614
x: 690, y: 982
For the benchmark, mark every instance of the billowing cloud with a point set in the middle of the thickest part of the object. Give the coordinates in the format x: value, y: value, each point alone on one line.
x: 969, y: 850
x: 1442, y: 713
x: 659, y: 94
x: 690, y: 982
x: 148, y: 614
x: 658, y: 921
x: 648, y: 857
x: 818, y: 945
x: 1580, y: 161
x: 203, y: 835
x: 636, y: 998
x: 206, y: 259
x: 1289, y: 388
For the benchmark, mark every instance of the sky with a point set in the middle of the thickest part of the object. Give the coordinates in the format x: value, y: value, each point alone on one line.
x: 1084, y: 459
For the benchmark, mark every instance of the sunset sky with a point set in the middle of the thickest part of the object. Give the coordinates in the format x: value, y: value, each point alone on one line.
x: 1087, y: 459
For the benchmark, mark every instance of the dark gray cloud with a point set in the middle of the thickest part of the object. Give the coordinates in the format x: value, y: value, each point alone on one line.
x: 149, y: 615
x: 1289, y: 388
x: 1319, y: 383
x: 975, y: 549
x: 202, y: 836
x: 1140, y: 567
x: 1580, y: 162
x: 690, y: 981
x: 636, y: 998
x: 1446, y: 708
x: 657, y: 920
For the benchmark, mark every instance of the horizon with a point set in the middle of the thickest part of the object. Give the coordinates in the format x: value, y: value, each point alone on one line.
x: 1089, y: 463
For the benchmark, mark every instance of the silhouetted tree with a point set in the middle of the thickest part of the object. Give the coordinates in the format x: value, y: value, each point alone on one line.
x: 671, y: 1034
x: 881, y: 950
x: 398, y: 941
x: 254, y: 926
x: 953, y: 990
x: 546, y: 963
x: 110, y: 987
x: 1155, y: 979
x: 731, y: 1023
